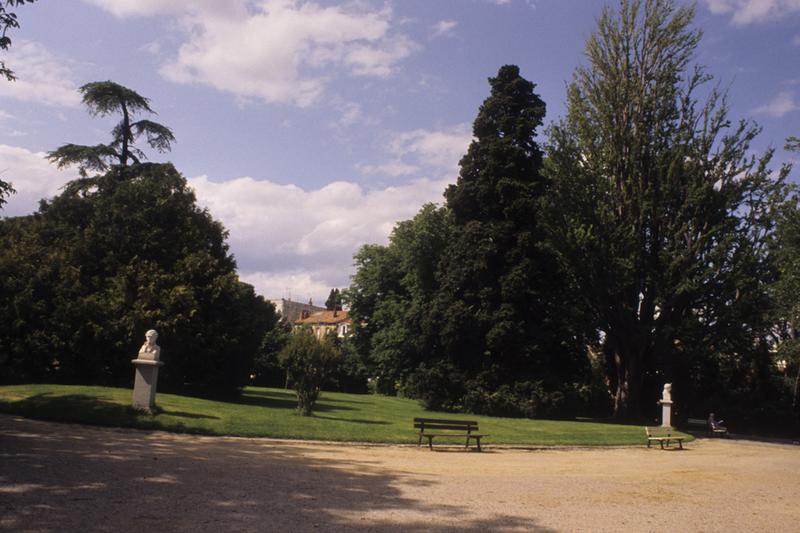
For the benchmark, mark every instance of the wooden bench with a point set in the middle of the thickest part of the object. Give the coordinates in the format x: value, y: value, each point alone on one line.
x: 436, y: 427
x: 710, y: 431
x: 663, y: 436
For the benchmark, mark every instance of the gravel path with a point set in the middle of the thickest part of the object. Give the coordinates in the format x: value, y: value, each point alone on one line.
x: 57, y: 477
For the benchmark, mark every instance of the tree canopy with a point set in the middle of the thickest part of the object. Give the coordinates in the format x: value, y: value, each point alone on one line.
x: 8, y: 21
x: 92, y: 270
x: 104, y: 98
x: 661, y: 212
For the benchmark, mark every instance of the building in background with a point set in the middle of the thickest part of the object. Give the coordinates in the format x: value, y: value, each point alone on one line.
x: 292, y: 311
x: 324, y: 322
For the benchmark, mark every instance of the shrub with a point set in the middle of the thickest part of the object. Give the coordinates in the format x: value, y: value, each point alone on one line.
x: 309, y: 362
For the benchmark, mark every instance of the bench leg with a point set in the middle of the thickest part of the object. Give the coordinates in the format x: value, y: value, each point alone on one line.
x: 430, y: 441
x: 680, y: 444
x: 478, y: 442
x: 419, y: 443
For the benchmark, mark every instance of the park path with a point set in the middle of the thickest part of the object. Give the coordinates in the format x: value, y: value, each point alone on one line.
x: 58, y: 477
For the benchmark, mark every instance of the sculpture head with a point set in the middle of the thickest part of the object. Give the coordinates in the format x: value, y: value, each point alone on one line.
x: 151, y: 336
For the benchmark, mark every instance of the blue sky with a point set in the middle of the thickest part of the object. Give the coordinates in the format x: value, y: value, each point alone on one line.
x: 310, y: 127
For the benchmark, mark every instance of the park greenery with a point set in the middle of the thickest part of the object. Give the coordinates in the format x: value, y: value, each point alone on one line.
x: 271, y: 412
x: 644, y: 244
x: 309, y: 363
x: 570, y: 272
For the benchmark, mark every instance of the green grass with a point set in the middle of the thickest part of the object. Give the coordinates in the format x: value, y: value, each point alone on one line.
x: 263, y: 412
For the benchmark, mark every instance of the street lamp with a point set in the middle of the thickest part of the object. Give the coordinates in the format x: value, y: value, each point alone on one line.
x: 781, y: 364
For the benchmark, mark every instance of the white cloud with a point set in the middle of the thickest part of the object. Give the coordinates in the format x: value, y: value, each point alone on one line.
x: 444, y: 28
x: 146, y: 8
x: 753, y: 11
x: 32, y: 176
x: 424, y: 151
x: 42, y: 77
x: 279, y: 51
x: 285, y: 237
x: 782, y: 104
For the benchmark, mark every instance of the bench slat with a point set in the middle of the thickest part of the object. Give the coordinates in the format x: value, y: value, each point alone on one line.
x: 445, y: 421
x: 446, y: 426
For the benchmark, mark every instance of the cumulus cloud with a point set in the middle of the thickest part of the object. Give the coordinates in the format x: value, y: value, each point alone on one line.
x: 32, y: 176
x: 42, y: 77
x: 286, y: 238
x: 782, y: 104
x: 279, y: 51
x: 421, y: 150
x: 753, y: 11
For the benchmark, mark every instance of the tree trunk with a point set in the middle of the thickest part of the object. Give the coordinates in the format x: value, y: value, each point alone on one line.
x: 627, y: 400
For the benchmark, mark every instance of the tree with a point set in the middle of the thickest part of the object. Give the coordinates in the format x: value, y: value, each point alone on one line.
x: 82, y: 279
x: 334, y: 301
x: 503, y: 304
x: 661, y: 213
x: 8, y: 21
x: 104, y: 98
x: 390, y: 297
x: 787, y: 288
x: 309, y: 361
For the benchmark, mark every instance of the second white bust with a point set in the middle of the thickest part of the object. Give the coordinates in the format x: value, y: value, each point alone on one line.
x: 150, y: 350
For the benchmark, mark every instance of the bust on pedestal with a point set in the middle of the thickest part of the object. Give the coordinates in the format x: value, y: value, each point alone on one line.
x: 147, y: 365
x: 666, y: 406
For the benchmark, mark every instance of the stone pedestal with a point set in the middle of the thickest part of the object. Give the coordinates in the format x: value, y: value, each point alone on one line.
x: 144, y: 386
x: 666, y: 413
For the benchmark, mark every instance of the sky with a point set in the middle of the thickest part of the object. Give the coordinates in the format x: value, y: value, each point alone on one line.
x: 309, y: 128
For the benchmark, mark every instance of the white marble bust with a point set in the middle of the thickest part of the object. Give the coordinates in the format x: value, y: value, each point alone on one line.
x: 150, y: 350
x: 667, y: 393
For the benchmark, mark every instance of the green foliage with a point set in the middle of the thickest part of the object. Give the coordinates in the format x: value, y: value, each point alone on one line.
x: 83, y: 278
x: 787, y: 292
x: 504, y: 307
x: 334, y: 301
x: 6, y: 190
x: 8, y: 21
x: 103, y: 98
x: 309, y: 362
x: 390, y: 297
x: 662, y: 215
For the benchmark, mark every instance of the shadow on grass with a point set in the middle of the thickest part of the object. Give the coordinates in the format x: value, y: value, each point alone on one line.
x: 184, y: 414
x: 287, y: 400
x: 353, y: 420
x: 89, y: 475
x: 96, y: 410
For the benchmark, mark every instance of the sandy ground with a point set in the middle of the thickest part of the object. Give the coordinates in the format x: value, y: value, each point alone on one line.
x: 57, y: 477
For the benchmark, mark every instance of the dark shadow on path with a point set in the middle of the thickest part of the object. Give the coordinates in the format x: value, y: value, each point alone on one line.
x: 60, y: 477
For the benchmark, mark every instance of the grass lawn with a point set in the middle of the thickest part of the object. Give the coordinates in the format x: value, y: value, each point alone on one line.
x: 266, y: 412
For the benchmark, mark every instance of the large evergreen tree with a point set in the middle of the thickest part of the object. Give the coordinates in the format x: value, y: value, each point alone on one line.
x: 503, y: 306
x: 662, y: 213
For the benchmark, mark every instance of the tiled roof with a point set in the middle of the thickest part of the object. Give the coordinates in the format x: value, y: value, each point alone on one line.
x: 325, y: 317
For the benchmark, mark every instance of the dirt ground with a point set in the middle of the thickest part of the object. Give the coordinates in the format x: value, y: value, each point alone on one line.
x: 57, y: 477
